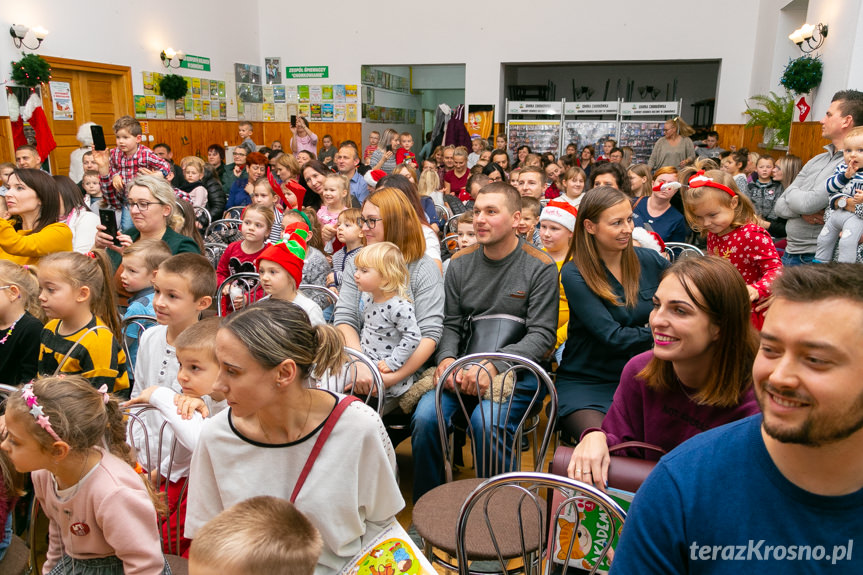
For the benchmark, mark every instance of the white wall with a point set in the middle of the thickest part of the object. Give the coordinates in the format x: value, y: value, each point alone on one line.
x: 838, y: 52
x: 133, y: 34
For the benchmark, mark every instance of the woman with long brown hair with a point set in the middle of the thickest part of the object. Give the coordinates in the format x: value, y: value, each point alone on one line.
x: 697, y: 376
x: 609, y: 285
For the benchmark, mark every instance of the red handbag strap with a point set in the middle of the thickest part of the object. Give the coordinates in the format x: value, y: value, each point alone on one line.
x: 322, y: 438
x: 636, y: 445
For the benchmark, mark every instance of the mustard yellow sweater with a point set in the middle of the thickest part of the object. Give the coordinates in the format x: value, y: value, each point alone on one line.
x: 26, y: 248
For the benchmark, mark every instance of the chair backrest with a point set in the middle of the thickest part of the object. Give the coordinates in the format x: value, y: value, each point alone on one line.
x: 490, y: 451
x: 132, y: 328
x: 213, y: 251
x: 451, y: 226
x: 6, y: 390
x: 203, y: 217
x: 449, y: 244
x: 680, y: 250
x: 323, y: 296
x: 245, y: 286
x: 442, y: 213
x: 152, y: 441
x: 234, y: 213
x: 339, y: 382
x: 223, y: 226
x: 513, y: 499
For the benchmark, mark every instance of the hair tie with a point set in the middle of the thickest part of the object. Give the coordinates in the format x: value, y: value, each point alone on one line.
x: 699, y: 180
x: 91, y: 255
x: 304, y: 216
x: 26, y: 267
x: 105, y: 396
x: 37, y: 412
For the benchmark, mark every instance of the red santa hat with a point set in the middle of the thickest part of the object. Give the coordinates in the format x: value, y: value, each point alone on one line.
x: 562, y: 213
x: 372, y: 177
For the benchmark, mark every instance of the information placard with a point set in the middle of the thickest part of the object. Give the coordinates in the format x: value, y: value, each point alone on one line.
x: 540, y: 108
x: 591, y: 108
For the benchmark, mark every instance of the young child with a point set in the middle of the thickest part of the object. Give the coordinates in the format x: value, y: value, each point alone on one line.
x: 198, y: 371
x: 455, y: 179
x: 6, y: 169
x: 281, y: 269
x: 240, y: 256
x: 76, y: 295
x: 466, y: 236
x: 350, y: 234
x: 192, y: 190
x: 531, y: 183
x: 93, y: 191
x: 71, y: 438
x: 474, y: 184
x: 390, y: 333
x: 845, y: 187
x: 715, y: 208
x: 608, y: 145
x: 335, y: 200
x: 12, y: 487
x: 263, y: 534
x: 263, y: 195
x: 20, y: 323
x: 404, y: 154
x: 316, y: 267
x: 527, y: 225
x: 573, y: 180
x: 125, y: 161
x: 374, y: 138
x: 246, y: 129
x: 327, y: 152
x: 477, y: 147
x: 733, y: 163
x: 140, y: 262
x: 764, y: 192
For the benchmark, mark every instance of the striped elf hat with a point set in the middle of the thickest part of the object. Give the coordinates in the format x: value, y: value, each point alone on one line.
x: 290, y: 253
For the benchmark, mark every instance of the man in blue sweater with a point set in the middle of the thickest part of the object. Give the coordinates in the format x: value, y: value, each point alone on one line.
x: 780, y: 492
x: 501, y: 274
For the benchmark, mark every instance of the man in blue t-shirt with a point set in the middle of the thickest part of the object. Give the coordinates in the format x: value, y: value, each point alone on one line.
x: 780, y: 492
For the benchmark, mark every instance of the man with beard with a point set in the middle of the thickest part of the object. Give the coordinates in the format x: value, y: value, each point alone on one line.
x: 784, y: 489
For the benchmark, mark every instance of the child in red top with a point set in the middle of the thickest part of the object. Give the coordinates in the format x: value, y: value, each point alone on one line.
x: 455, y: 180
x: 714, y: 206
x: 374, y: 138
x: 240, y: 256
x: 404, y: 154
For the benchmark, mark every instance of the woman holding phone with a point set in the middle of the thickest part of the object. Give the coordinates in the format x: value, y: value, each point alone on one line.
x: 303, y: 138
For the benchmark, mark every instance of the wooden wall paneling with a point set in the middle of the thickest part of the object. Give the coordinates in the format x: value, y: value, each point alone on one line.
x: 7, y: 148
x: 730, y: 135
x: 806, y: 140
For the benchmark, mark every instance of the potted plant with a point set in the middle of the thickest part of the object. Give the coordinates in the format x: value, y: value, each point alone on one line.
x: 801, y: 77
x: 773, y: 113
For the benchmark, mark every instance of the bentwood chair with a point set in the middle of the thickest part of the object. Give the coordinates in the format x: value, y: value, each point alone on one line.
x: 680, y: 250
x: 495, y: 446
x: 245, y: 286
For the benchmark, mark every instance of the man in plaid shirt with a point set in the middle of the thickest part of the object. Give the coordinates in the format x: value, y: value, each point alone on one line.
x: 126, y: 161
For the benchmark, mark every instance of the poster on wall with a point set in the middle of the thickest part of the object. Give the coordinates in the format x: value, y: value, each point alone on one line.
x: 140, y: 107
x: 273, y: 70
x: 279, y: 94
x: 250, y: 93
x: 351, y: 113
x: 541, y: 135
x: 247, y: 74
x: 351, y: 92
x: 640, y: 136
x: 585, y: 132
x: 61, y: 100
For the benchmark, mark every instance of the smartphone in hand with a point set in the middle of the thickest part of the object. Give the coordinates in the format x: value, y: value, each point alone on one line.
x: 108, y: 219
x: 293, y: 120
x: 98, y: 137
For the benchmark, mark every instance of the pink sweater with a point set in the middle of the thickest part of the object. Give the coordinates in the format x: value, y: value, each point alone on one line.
x: 110, y: 514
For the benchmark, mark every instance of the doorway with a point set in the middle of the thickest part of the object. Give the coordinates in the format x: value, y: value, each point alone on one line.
x: 101, y: 93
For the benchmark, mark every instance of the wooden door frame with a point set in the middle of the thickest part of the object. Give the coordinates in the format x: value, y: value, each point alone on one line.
x: 124, y: 72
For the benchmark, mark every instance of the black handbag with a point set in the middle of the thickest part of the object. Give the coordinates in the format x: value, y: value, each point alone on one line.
x: 490, y: 333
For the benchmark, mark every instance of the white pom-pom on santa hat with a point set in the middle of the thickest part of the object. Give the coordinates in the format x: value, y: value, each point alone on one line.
x: 646, y: 239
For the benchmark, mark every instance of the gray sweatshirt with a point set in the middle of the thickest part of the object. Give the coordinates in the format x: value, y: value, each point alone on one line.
x: 523, y: 284
x: 807, y: 194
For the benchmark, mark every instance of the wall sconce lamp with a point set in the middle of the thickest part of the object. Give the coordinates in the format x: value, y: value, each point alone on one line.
x: 19, y: 32
x: 169, y: 54
x: 811, y: 36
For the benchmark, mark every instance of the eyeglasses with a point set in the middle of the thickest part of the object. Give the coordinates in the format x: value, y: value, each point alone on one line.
x: 369, y: 222
x: 239, y: 155
x: 141, y: 206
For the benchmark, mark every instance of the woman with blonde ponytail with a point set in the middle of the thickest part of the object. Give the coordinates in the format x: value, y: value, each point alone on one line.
x: 263, y: 443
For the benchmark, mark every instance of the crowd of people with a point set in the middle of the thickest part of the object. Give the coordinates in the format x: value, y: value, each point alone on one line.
x: 571, y: 256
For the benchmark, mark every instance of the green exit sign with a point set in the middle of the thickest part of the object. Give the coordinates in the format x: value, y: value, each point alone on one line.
x: 307, y: 72
x: 196, y: 63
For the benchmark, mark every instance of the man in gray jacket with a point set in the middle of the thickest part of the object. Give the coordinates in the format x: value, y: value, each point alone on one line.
x: 803, y: 203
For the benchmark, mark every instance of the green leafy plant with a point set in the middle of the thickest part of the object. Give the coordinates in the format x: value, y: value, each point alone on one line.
x: 773, y: 113
x: 802, y: 75
x: 173, y: 86
x: 31, y: 70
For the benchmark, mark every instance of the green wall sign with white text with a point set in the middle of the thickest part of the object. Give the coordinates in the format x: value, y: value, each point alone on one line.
x: 196, y: 63
x: 307, y: 72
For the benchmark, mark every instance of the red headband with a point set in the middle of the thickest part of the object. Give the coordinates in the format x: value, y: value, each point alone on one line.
x: 699, y: 180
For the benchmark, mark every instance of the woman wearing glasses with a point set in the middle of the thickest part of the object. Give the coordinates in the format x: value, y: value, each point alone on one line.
x: 155, y: 216
x: 388, y: 216
x: 674, y: 148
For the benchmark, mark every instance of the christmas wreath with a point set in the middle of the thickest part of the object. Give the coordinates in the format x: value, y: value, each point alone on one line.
x: 30, y: 71
x: 173, y: 86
